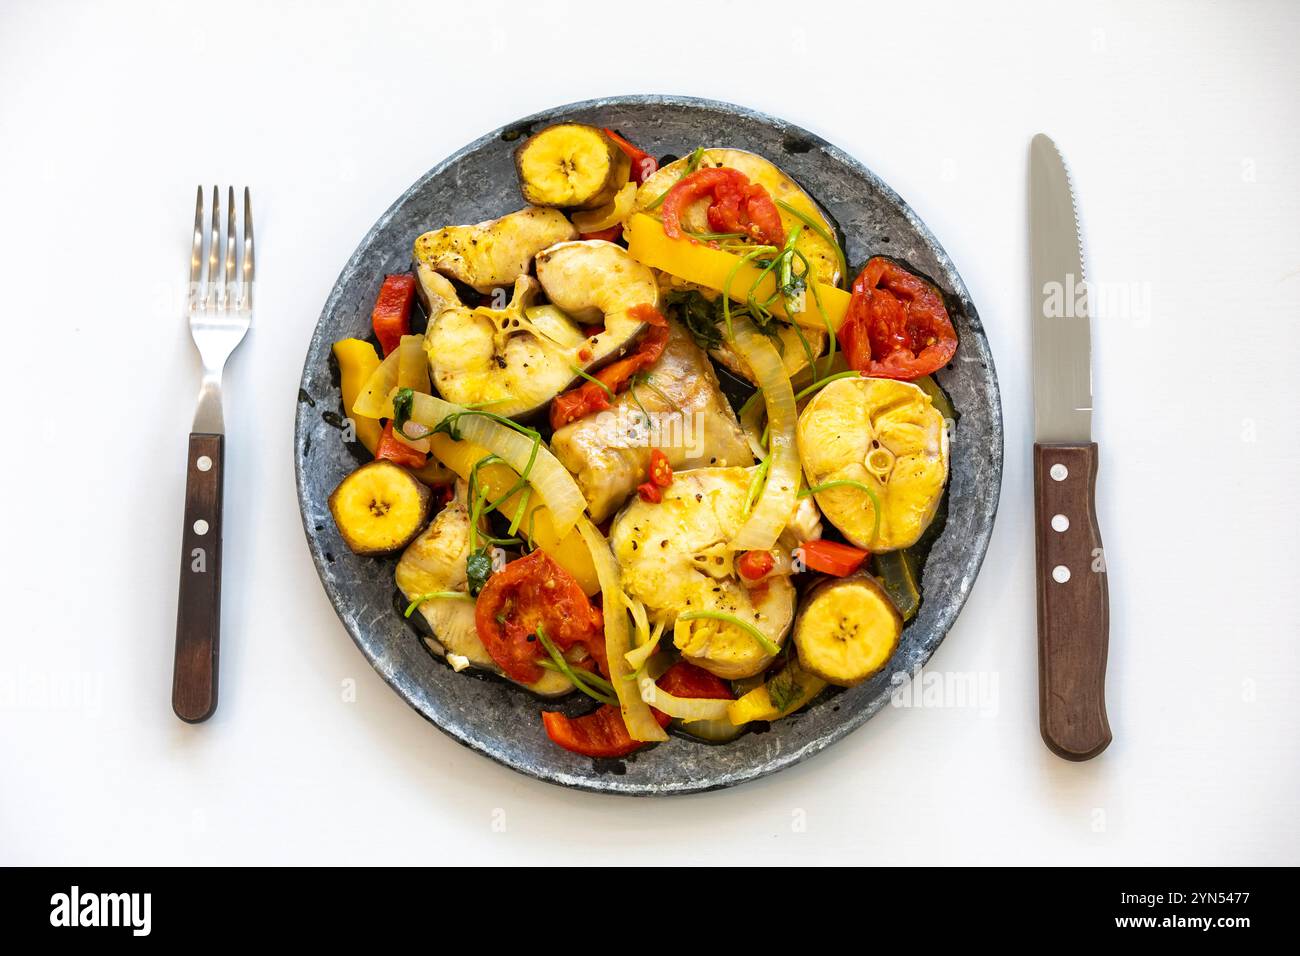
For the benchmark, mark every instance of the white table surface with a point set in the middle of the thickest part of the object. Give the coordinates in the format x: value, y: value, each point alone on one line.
x: 1182, y: 126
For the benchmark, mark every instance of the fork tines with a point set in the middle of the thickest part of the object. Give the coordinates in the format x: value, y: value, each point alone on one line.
x: 221, y: 288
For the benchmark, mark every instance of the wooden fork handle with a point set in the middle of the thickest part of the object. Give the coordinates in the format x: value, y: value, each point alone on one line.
x: 198, y: 609
x: 1073, y: 602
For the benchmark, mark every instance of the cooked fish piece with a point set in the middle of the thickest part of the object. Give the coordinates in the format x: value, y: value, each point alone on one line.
x: 493, y: 254
x: 435, y: 562
x: 690, y: 422
x: 675, y: 559
x: 880, y: 434
x: 517, y: 358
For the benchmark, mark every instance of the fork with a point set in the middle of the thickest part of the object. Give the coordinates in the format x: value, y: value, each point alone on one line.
x: 220, y: 312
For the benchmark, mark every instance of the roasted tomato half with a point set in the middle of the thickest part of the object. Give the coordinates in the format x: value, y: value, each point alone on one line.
x: 897, y: 325
x: 529, y: 593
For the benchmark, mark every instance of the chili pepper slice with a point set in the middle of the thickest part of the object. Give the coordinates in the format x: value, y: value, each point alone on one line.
x: 661, y: 471
x: 754, y: 565
x: 897, y: 325
x: 650, y: 493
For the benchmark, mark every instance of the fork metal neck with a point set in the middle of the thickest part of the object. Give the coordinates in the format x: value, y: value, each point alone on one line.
x: 208, y: 419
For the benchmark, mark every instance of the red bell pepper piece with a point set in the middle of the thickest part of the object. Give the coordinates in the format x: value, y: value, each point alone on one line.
x: 643, y: 164
x: 601, y: 733
x: 392, y: 313
x: 685, y: 679
x: 831, y: 557
x: 397, y: 451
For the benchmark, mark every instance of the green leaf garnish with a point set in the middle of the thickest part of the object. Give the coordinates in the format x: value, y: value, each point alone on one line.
x: 433, y: 595
x: 478, y: 568
x: 849, y: 483
x: 585, y: 683
x: 403, y: 400
x: 609, y: 392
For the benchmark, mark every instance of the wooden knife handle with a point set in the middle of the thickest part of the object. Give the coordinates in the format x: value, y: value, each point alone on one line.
x: 198, y: 609
x: 1073, y: 605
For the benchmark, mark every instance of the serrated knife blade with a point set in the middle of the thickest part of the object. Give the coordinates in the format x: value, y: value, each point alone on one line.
x: 1073, y: 599
x: 1061, y: 320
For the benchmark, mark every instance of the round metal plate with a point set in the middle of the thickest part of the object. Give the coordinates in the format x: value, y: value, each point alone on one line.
x: 501, y: 720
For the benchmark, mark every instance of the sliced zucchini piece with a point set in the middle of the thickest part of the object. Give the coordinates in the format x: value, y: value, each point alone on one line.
x: 897, y: 571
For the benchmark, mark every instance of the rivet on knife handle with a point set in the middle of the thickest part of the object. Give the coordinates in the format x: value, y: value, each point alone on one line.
x: 1073, y: 616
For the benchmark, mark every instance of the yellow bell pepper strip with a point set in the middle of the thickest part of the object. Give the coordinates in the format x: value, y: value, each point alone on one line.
x: 357, y: 362
x: 781, y: 696
x: 712, y: 268
x: 496, y: 478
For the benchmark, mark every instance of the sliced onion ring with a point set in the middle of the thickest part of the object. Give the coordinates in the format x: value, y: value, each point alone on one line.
x: 636, y: 658
x: 606, y: 217
x: 551, y: 480
x: 641, y: 724
x: 683, y: 708
x: 375, y: 398
x: 776, y: 504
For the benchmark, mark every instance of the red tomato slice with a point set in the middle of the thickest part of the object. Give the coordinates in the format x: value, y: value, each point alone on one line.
x: 533, y: 592
x: 601, y: 733
x: 590, y: 397
x: 831, y: 557
x: 737, y: 205
x: 897, y: 325
x: 391, y: 316
x: 647, y: 313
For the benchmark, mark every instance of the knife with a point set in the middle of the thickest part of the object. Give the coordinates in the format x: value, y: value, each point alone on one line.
x: 1073, y: 605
